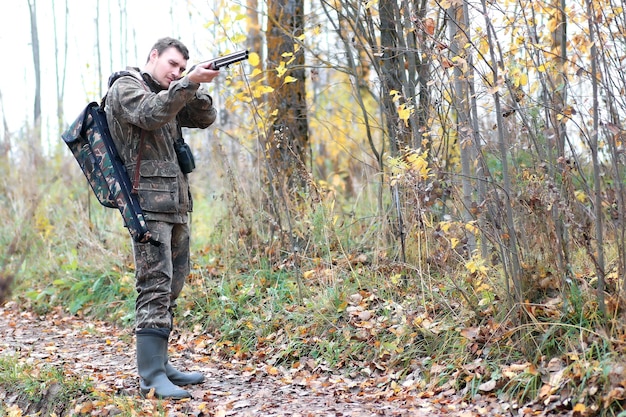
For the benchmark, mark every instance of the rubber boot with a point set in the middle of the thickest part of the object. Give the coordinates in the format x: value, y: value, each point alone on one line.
x: 182, y: 378
x: 151, y: 345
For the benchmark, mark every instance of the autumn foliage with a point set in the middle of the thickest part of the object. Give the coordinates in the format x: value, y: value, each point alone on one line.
x: 427, y: 194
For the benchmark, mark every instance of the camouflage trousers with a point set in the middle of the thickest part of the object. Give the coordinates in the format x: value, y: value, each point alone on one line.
x: 160, y: 274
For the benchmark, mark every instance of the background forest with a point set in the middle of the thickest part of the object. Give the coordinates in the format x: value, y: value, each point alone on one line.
x: 430, y: 191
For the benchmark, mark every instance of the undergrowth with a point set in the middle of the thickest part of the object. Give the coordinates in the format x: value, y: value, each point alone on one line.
x: 343, y: 302
x: 45, y: 390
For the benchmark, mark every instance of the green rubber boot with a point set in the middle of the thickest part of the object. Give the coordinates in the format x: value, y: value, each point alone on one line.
x: 151, y: 345
x: 182, y: 378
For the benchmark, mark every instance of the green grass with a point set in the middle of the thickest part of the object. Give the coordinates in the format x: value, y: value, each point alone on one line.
x: 51, y: 388
x: 341, y: 301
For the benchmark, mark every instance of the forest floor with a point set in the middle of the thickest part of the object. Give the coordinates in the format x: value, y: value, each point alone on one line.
x: 83, y: 347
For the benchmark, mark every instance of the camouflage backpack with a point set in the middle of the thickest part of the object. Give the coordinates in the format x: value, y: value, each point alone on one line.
x: 89, y: 139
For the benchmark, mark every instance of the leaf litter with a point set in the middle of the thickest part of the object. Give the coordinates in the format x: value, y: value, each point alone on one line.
x: 103, y: 353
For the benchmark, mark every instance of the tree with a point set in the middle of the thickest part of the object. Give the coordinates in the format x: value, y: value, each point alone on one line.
x: 288, y: 135
x: 254, y: 40
x: 508, y: 234
x: 598, y: 253
x: 60, y: 67
x: 32, y: 7
x: 459, y: 37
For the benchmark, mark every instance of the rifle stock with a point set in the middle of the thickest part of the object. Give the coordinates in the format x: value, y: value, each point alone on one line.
x: 225, y: 60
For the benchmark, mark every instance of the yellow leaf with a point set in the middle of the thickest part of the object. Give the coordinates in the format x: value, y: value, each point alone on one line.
x: 239, y: 38
x: 580, y: 196
x: 262, y: 89
x: 579, y: 408
x: 404, y: 112
x: 470, y: 227
x: 445, y: 226
x: 254, y: 59
x: 281, y: 69
x: 523, y: 79
x: 476, y: 266
x: 419, y: 163
x: 454, y: 242
x: 290, y: 79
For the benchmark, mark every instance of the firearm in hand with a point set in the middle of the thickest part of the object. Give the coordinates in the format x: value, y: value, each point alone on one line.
x: 223, y: 61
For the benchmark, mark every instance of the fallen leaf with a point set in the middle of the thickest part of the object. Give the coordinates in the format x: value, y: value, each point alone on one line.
x: 487, y: 386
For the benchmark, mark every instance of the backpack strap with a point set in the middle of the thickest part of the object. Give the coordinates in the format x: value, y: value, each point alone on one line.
x: 114, y: 77
x: 138, y: 163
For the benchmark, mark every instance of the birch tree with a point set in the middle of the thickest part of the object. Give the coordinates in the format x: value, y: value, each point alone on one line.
x: 32, y: 7
x: 60, y: 62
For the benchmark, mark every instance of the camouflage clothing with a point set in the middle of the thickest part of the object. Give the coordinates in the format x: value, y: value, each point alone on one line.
x: 136, y: 104
x: 161, y: 273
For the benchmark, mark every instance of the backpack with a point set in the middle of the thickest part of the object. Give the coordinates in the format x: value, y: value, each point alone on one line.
x: 90, y: 141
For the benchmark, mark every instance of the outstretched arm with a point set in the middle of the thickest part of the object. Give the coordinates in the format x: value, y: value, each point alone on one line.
x: 202, y: 73
x: 198, y: 112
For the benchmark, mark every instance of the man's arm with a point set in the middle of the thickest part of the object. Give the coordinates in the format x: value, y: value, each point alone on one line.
x: 202, y: 73
x: 199, y: 112
x: 138, y: 106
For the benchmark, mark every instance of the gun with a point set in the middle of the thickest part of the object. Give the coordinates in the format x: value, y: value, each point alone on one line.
x: 224, y: 61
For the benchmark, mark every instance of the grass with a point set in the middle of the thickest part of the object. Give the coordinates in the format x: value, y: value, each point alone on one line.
x: 49, y: 389
x: 343, y: 303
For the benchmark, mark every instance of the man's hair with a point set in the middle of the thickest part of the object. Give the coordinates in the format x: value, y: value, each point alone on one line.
x: 165, y: 43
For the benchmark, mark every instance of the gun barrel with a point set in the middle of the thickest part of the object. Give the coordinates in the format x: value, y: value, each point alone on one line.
x: 226, y: 60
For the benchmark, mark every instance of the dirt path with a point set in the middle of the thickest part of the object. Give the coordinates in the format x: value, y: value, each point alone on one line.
x: 106, y: 354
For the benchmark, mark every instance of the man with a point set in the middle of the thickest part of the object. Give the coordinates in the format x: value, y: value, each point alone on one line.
x: 145, y: 112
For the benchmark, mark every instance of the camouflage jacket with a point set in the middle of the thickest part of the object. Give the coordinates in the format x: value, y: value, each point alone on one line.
x: 137, y: 103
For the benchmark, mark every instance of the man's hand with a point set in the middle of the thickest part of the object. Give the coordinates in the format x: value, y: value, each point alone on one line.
x: 202, y: 74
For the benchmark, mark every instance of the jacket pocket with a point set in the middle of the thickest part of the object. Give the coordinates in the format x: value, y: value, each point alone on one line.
x: 158, y: 186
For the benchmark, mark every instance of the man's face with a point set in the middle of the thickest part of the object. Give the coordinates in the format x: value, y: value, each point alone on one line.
x: 167, y: 67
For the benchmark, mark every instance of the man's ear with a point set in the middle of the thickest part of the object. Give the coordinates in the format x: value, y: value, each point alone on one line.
x: 154, y: 54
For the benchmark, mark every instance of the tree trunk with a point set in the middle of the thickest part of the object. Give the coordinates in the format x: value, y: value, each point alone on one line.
x: 508, y: 234
x: 392, y: 64
x: 459, y: 37
x: 558, y: 76
x: 597, y: 182
x: 289, y: 137
x: 98, y: 47
x: 5, y: 144
x: 60, y: 67
x: 254, y: 40
x: 32, y: 6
